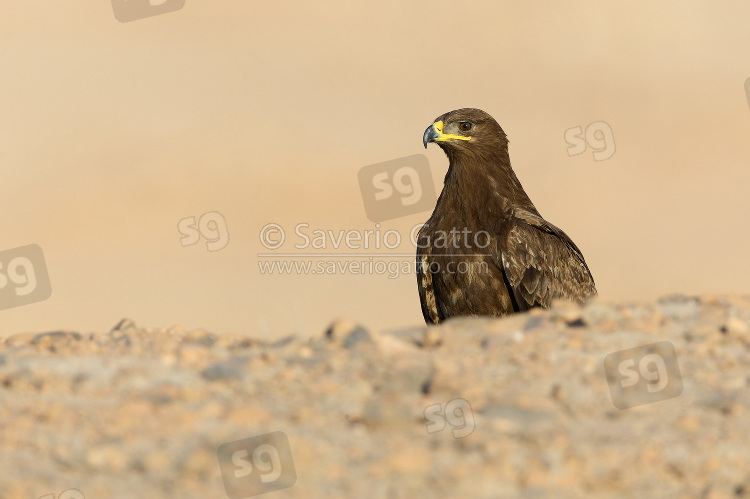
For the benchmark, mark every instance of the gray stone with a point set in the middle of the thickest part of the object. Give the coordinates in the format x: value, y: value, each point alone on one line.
x: 234, y: 368
x: 359, y: 336
x: 124, y: 325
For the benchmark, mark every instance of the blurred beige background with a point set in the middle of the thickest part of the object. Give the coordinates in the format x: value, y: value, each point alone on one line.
x: 111, y: 133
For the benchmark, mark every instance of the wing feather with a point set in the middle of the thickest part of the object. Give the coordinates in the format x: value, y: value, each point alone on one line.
x: 426, y: 288
x: 541, y: 263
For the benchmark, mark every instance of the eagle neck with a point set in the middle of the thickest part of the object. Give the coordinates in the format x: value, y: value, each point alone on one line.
x: 486, y: 188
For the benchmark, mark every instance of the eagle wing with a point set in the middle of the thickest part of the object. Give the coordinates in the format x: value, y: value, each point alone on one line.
x: 540, y: 263
x: 426, y: 289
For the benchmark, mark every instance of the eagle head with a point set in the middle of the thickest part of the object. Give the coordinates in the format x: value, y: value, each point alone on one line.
x: 466, y: 130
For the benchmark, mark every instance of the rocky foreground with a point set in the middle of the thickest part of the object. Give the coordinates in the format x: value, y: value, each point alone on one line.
x: 525, y: 406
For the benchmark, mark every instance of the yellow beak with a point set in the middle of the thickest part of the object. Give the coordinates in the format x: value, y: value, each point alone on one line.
x: 434, y: 133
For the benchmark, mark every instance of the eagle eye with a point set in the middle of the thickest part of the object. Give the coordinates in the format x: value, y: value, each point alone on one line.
x: 465, y: 126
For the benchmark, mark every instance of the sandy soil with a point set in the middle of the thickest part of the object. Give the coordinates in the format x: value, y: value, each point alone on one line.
x: 525, y: 406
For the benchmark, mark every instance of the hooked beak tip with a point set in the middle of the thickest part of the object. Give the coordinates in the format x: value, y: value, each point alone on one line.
x: 430, y: 135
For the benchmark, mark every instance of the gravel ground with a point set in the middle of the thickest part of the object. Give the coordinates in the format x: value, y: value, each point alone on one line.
x: 608, y: 400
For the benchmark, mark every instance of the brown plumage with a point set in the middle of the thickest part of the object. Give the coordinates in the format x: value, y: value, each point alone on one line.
x: 486, y: 250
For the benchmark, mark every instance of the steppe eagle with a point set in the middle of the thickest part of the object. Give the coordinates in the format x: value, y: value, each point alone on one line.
x: 486, y: 250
